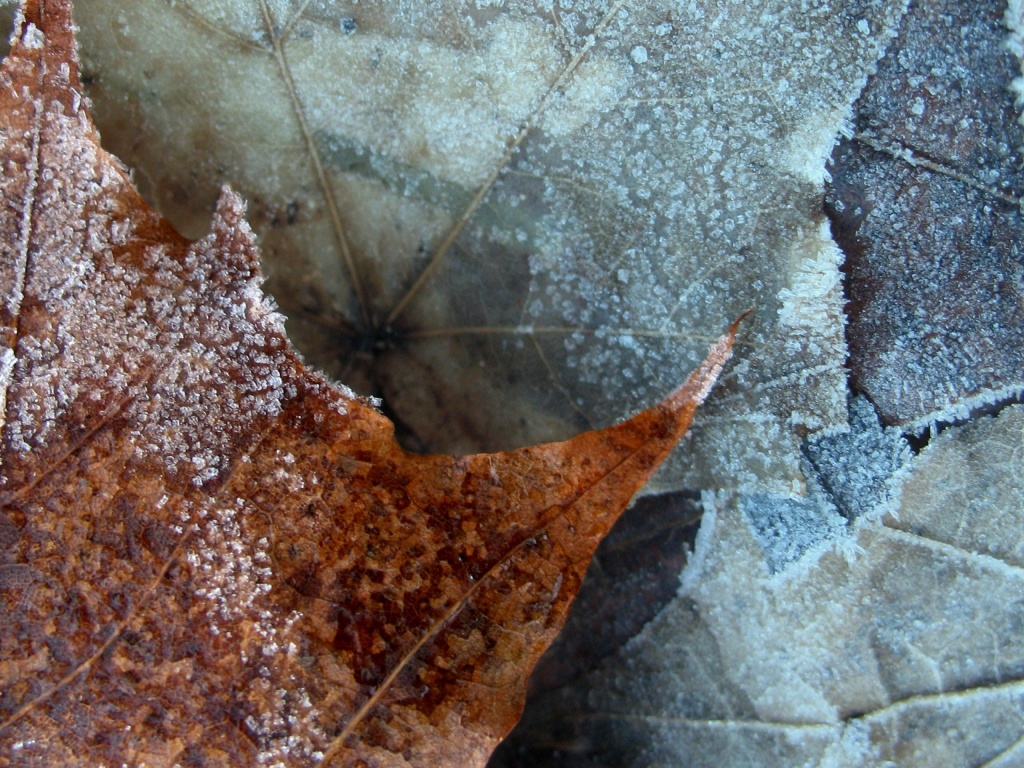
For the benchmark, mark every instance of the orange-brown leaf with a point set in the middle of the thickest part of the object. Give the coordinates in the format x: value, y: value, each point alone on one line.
x: 209, y: 555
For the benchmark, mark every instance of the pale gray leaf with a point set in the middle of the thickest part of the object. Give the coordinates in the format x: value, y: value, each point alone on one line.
x: 902, y: 645
x: 519, y: 220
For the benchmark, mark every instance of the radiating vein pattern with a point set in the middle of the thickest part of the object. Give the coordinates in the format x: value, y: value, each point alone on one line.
x: 607, y: 166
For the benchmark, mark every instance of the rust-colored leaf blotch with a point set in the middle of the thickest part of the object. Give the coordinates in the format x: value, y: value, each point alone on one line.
x: 209, y: 555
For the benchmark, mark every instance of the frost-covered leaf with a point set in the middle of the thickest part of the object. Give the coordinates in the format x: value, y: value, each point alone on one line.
x: 852, y: 468
x: 515, y: 220
x: 927, y: 206
x: 902, y: 646
x: 211, y: 556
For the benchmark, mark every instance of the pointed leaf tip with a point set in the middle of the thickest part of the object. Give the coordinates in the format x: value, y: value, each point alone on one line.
x: 232, y: 236
x: 698, y: 385
x: 261, y: 531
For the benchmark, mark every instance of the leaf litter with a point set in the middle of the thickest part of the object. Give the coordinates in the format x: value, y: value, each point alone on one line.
x: 899, y: 648
x: 514, y: 221
x: 818, y: 466
x: 929, y: 178
x: 212, y: 555
x: 927, y: 203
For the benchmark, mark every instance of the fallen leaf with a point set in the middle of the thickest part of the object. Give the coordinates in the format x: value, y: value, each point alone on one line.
x: 927, y: 203
x: 633, y: 575
x: 209, y: 555
x: 516, y: 220
x: 900, y: 647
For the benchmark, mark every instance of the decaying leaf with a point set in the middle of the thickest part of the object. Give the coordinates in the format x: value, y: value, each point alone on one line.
x: 772, y: 651
x: 208, y: 554
x: 901, y: 648
x: 515, y: 220
x: 927, y: 204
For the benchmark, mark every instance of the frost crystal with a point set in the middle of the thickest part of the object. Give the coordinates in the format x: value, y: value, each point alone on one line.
x: 1014, y: 21
x: 788, y: 528
x: 927, y: 204
x: 856, y: 467
x: 33, y: 37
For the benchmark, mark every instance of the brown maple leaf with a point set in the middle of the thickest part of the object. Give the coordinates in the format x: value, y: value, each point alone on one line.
x: 210, y: 554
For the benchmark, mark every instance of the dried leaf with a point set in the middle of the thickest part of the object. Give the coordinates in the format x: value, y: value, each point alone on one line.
x: 210, y: 555
x: 515, y: 220
x: 927, y: 204
x: 773, y: 650
x: 633, y: 575
x: 901, y: 648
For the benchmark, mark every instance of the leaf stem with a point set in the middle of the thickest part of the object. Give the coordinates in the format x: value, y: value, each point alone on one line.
x: 318, y: 167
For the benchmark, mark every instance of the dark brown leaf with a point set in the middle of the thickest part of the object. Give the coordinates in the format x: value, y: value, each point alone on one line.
x: 926, y: 203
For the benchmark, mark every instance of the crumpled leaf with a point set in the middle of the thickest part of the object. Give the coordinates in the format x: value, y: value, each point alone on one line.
x: 902, y: 647
x: 209, y: 554
x: 515, y: 220
x: 927, y: 205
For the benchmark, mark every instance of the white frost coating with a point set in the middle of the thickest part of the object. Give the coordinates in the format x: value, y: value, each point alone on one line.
x: 973, y: 473
x: 599, y: 83
x: 696, y: 563
x: 235, y: 571
x: 1013, y: 18
x: 157, y: 365
x: 456, y: 108
x: 857, y: 471
x: 809, y: 299
x: 904, y: 654
x: 33, y: 37
x: 678, y: 153
x: 811, y: 143
x: 929, y: 339
x: 7, y: 361
x: 964, y: 407
x: 244, y: 17
x: 189, y: 362
x: 794, y: 532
